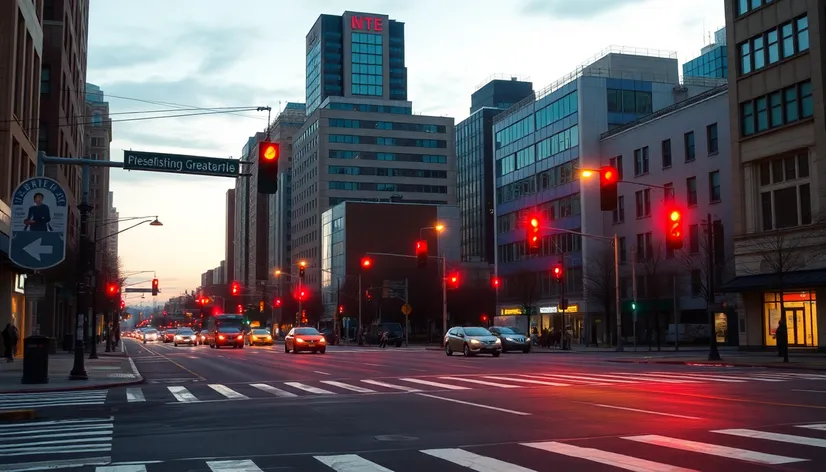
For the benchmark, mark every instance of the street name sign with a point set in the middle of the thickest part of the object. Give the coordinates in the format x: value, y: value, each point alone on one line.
x: 39, y: 212
x: 180, y: 164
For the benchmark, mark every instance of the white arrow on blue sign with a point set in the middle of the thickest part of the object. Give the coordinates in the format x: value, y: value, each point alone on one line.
x: 39, y: 212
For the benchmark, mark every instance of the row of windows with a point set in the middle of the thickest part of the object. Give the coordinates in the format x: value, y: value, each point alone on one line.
x: 778, y: 108
x: 385, y: 141
x: 369, y: 59
x: 549, y: 245
x: 385, y: 172
x: 333, y: 201
x: 366, y: 69
x: 569, y: 205
x: 372, y: 90
x: 745, y: 6
x: 559, y: 142
x: 553, y: 112
x: 781, y: 42
x: 388, y: 156
x: 364, y: 38
x: 396, y: 110
x: 386, y: 187
x: 367, y: 48
x: 629, y: 101
x: 553, y: 177
x: 387, y: 125
x: 785, y: 192
x: 366, y: 79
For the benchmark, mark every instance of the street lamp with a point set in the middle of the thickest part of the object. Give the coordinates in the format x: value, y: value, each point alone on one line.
x: 440, y: 228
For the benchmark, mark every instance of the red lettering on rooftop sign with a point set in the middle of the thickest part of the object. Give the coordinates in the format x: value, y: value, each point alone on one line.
x: 367, y: 23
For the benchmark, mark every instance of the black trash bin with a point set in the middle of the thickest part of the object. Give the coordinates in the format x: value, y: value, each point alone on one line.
x: 35, y: 360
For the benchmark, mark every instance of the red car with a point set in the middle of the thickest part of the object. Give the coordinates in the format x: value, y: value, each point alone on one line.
x: 227, y: 336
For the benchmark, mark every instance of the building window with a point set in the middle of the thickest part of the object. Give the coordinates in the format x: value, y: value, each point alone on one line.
x: 696, y: 283
x: 668, y: 192
x: 641, y: 161
x: 643, y: 199
x: 785, y: 40
x: 691, y: 190
x: 623, y: 251
x: 666, y: 149
x: 714, y: 194
x: 746, y: 6
x: 616, y: 163
x: 629, y: 101
x: 645, y: 246
x: 688, y: 141
x: 712, y: 139
x: 745, y: 58
x: 45, y: 80
x: 773, y: 50
x: 366, y: 76
x: 693, y: 239
x: 619, y: 213
x: 779, y: 108
x: 97, y: 119
x: 785, y: 192
x: 802, y: 26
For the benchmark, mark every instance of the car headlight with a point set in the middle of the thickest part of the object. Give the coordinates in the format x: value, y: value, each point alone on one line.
x: 474, y: 341
x: 498, y: 341
x: 322, y: 340
x: 508, y: 339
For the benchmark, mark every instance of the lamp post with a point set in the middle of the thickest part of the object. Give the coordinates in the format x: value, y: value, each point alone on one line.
x: 439, y: 228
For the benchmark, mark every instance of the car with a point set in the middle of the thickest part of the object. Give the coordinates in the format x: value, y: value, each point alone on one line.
x: 511, y: 339
x: 228, y: 336
x: 185, y: 336
x: 305, y: 339
x: 150, y: 335
x: 472, y: 340
x: 169, y: 335
x: 259, y: 336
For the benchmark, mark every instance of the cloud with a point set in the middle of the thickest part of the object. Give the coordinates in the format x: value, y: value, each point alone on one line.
x: 575, y: 9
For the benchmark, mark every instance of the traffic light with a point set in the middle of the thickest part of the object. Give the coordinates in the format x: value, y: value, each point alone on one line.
x: 557, y: 273
x: 277, y: 303
x: 674, y: 229
x: 608, y: 179
x: 453, y: 280
x: 532, y: 235
x: 261, y: 306
x: 366, y: 262
x: 369, y: 296
x: 484, y: 319
x: 122, y: 304
x: 268, y: 154
x: 154, y: 287
x: 302, y: 294
x: 421, y: 254
x: 340, y: 309
x: 301, y: 266
x: 240, y: 308
x: 495, y: 283
x: 112, y: 290
x: 235, y: 289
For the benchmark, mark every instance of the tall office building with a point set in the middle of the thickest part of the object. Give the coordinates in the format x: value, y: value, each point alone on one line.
x: 361, y: 141
x: 474, y: 164
x: 112, y: 215
x: 229, y: 248
x: 712, y: 61
x: 96, y: 146
x: 21, y: 34
x: 540, y: 144
x: 776, y: 98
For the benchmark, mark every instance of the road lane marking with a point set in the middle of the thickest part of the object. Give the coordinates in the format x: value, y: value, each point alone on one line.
x: 233, y: 466
x: 387, y: 385
x: 714, y: 450
x: 785, y: 438
x: 480, y: 382
x: 348, y: 386
x: 604, y: 457
x: 320, y: 372
x: 474, y: 461
x: 84, y: 423
x: 535, y: 382
x: 122, y: 468
x: 182, y: 394
x: 54, y: 465
x: 477, y: 405
x: 309, y: 388
x: 433, y: 384
x: 374, y: 365
x: 585, y: 378
x: 644, y: 378
x: 134, y: 395
x: 704, y: 377
x: 228, y: 392
x: 350, y: 463
x: 645, y: 411
x: 818, y: 427
x: 734, y: 377
x: 809, y: 391
x: 273, y: 390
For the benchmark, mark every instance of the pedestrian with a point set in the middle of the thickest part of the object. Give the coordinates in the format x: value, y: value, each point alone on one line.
x: 10, y: 338
x: 117, y: 336
x: 383, y: 339
x: 782, y: 337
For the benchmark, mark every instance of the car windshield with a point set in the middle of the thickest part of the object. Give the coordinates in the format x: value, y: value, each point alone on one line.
x: 228, y: 329
x: 504, y: 330
x: 306, y: 331
x: 185, y: 331
x: 151, y: 331
x: 260, y: 331
x: 477, y: 332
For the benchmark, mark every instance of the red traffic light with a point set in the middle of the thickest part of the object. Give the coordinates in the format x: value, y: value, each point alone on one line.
x: 122, y: 304
x: 674, y: 229
x: 495, y: 282
x: 301, y: 295
x: 484, y: 318
x: 557, y: 272
x: 454, y: 280
x: 608, y: 194
x: 532, y: 236
x: 240, y: 308
x: 607, y: 175
x: 236, y: 289
x: 535, y: 222
x: 277, y: 302
x: 366, y: 262
x: 341, y: 308
x: 421, y: 246
x: 154, y: 283
x: 269, y: 151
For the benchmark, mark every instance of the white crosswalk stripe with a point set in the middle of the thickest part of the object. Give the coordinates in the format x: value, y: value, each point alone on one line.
x: 715, y: 450
x: 18, y: 401
x: 228, y: 392
x: 86, y: 442
x: 350, y: 463
x: 785, y: 438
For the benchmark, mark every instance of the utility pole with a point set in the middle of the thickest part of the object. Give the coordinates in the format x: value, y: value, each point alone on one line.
x: 634, y: 292
x: 444, y: 296
x: 84, y: 281
x: 359, y: 339
x: 406, y: 316
x: 617, y: 293
x: 713, y: 352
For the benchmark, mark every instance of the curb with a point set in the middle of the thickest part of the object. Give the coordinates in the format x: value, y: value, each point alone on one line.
x: 719, y: 364
x: 138, y: 380
x: 17, y: 415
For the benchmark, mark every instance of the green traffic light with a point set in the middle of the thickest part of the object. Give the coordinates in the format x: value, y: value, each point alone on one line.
x: 633, y: 306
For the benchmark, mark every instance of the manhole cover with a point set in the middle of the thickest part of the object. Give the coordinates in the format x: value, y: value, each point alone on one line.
x: 395, y: 437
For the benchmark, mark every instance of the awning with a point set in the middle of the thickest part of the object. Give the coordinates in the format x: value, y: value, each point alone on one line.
x: 789, y: 280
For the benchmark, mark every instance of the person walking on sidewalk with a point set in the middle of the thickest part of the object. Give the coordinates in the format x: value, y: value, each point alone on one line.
x: 782, y: 337
x: 10, y: 338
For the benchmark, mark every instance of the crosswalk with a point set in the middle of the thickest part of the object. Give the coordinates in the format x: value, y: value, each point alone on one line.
x: 683, y: 452
x: 43, y: 445
x: 197, y: 392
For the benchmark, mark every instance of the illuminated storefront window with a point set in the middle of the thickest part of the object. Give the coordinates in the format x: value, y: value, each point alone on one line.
x: 800, y: 311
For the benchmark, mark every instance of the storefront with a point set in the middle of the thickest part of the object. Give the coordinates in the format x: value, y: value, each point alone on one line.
x: 800, y: 311
x: 545, y: 317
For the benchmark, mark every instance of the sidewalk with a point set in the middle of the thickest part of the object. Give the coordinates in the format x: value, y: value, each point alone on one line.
x: 800, y: 361
x: 111, y: 369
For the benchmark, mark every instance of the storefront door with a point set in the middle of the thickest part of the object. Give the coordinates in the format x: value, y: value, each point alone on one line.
x: 796, y: 326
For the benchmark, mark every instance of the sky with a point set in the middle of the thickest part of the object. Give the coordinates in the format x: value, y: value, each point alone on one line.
x: 159, y: 55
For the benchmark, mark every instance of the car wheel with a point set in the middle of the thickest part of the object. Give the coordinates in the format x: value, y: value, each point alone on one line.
x: 526, y: 350
x: 241, y: 346
x: 295, y: 351
x: 466, y: 351
x: 448, y: 351
x: 496, y: 353
x: 176, y: 344
x: 322, y: 351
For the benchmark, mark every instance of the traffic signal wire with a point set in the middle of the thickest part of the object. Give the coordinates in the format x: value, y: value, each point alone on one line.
x: 164, y: 110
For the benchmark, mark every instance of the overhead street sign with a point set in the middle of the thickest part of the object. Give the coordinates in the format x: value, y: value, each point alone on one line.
x: 38, y: 224
x: 138, y: 290
x: 180, y: 164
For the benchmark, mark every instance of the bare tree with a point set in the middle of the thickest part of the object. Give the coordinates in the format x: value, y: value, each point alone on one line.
x: 657, y: 273
x: 526, y: 289
x: 600, y: 285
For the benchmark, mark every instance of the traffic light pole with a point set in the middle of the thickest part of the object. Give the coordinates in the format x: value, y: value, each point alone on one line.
x: 300, y: 304
x: 359, y: 339
x: 444, y: 295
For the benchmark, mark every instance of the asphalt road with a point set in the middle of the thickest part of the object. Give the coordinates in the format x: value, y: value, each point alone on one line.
x: 368, y: 409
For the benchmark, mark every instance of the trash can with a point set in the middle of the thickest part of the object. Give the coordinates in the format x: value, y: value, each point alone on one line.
x: 35, y: 360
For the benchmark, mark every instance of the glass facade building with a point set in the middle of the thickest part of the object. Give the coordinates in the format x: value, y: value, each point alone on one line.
x: 713, y: 63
